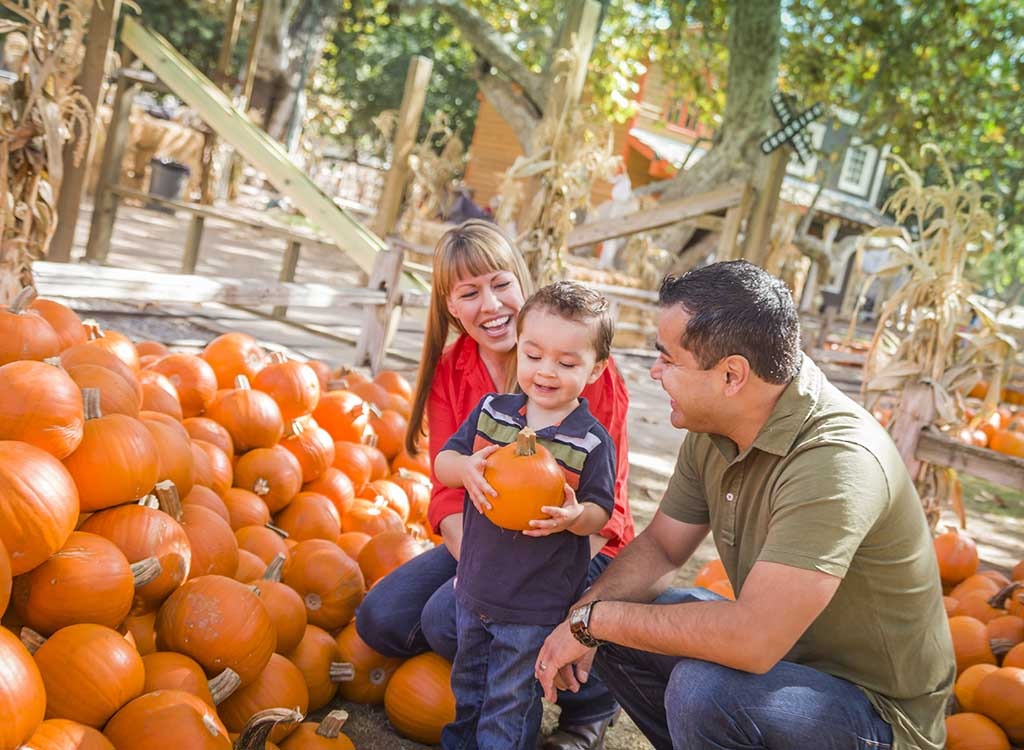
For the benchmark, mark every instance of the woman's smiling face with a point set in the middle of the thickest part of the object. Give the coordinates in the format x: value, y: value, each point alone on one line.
x: 486, y: 307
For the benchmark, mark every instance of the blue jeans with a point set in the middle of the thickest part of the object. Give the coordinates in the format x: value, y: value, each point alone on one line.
x: 412, y: 610
x: 693, y: 704
x: 497, y: 697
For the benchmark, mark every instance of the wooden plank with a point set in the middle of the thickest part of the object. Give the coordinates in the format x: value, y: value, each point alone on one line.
x: 193, y: 241
x: 107, y: 282
x: 289, y: 264
x: 942, y: 450
x: 766, y: 202
x: 380, y: 322
x: 417, y: 78
x: 728, y: 241
x: 253, y: 144
x: 99, y: 42
x: 669, y: 212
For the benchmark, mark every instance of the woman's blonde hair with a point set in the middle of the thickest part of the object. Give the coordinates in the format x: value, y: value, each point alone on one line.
x: 473, y: 248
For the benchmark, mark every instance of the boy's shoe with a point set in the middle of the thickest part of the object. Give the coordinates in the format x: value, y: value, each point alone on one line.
x: 582, y: 736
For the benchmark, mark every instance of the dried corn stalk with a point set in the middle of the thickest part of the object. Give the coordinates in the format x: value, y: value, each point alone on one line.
x: 921, y: 350
x: 39, y: 112
x: 436, y: 163
x: 572, y: 147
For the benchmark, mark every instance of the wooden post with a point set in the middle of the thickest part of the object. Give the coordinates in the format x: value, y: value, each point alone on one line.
x: 810, y: 291
x: 380, y: 321
x: 826, y: 325
x: 288, y: 266
x: 766, y: 201
x: 728, y: 241
x: 99, y: 41
x: 101, y: 229
x: 580, y: 23
x: 248, y: 83
x: 231, y: 27
x: 915, y: 411
x: 415, y: 95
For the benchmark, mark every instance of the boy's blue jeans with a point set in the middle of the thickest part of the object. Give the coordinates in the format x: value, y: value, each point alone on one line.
x: 497, y: 697
x: 697, y: 705
x: 412, y: 610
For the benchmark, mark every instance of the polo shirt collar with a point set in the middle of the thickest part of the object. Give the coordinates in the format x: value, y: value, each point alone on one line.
x: 787, y: 419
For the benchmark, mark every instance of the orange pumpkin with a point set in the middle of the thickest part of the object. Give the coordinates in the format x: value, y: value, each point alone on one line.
x: 957, y: 555
x: 178, y: 718
x: 370, y: 671
x: 975, y: 604
x: 22, y: 695
x: 159, y: 394
x: 250, y: 567
x: 64, y: 321
x: 41, y: 405
x: 117, y: 396
x: 1000, y: 696
x: 329, y: 582
x: 234, y: 354
x: 262, y: 542
x: 970, y: 642
x: 280, y: 683
x: 5, y: 578
x: 970, y: 731
x: 285, y: 607
x: 208, y: 499
x: 419, y: 700
x: 214, y: 468
x: 326, y: 735
x: 950, y: 604
x: 293, y: 385
x: 175, y: 461
x: 24, y: 333
x: 89, y: 672
x: 394, y: 382
x: 1017, y: 574
x: 975, y: 582
x: 272, y: 473
x: 967, y: 683
x: 63, y: 734
x: 252, y: 418
x: 385, y: 552
x: 87, y: 354
x: 316, y: 656
x: 114, y: 342
x: 220, y: 623
x: 167, y: 670
x: 344, y: 415
x: 391, y: 493
x: 723, y: 587
x: 245, y: 508
x: 526, y: 477
x: 193, y: 379
x: 322, y: 370
x: 336, y: 486
x: 390, y: 428
x: 140, y: 533
x: 213, y: 543
x: 204, y: 428
x: 1009, y: 442
x: 417, y: 490
x: 1004, y: 632
x: 1015, y: 657
x: 405, y: 460
x: 711, y: 572
x: 370, y: 392
x: 379, y: 468
x: 87, y: 580
x: 352, y: 543
x: 141, y: 628
x: 310, y: 515
x: 371, y: 518
x: 312, y: 447
x: 150, y: 348
x: 38, y: 504
x: 353, y: 462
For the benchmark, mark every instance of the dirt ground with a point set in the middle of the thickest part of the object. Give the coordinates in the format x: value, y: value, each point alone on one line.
x: 149, y: 240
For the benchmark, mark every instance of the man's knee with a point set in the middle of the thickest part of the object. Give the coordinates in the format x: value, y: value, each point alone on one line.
x: 379, y: 629
x: 696, y: 685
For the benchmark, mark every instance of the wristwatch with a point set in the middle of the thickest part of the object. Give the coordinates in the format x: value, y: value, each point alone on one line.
x: 579, y: 624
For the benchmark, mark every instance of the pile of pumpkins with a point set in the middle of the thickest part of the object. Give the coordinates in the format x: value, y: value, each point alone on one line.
x: 184, y: 539
x: 986, y: 620
x: 1002, y: 431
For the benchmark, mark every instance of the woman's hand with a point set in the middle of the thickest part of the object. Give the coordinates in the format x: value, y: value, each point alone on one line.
x: 472, y: 476
x: 561, y: 518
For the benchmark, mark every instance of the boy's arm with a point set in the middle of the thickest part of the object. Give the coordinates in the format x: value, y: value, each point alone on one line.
x: 449, y: 466
x: 457, y: 470
x: 591, y: 520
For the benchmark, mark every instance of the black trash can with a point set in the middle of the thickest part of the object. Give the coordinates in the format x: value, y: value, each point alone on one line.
x: 167, y: 179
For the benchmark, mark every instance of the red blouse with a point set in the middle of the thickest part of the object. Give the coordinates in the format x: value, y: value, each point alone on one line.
x: 461, y: 380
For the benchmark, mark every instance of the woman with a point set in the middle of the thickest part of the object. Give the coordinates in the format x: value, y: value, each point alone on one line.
x: 479, y: 284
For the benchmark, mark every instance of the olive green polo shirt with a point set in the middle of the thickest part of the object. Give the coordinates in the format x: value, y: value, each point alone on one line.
x: 824, y: 488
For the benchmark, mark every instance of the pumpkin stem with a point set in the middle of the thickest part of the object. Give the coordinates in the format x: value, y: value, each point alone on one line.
x: 93, y: 329
x: 1001, y: 647
x: 999, y: 600
x: 370, y: 439
x: 31, y: 640
x: 342, y: 671
x: 526, y: 442
x: 275, y: 567
x: 375, y: 411
x: 278, y: 358
x: 25, y: 298
x: 331, y: 725
x: 256, y: 590
x: 91, y: 403
x: 242, y: 383
x: 54, y: 361
x: 337, y: 384
x: 256, y: 732
x: 276, y: 529
x: 146, y: 571
x: 211, y: 725
x: 170, y: 502
x: 261, y: 486
x: 223, y: 685
x: 149, y: 501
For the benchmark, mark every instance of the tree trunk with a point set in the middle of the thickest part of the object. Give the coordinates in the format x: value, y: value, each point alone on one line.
x: 293, y: 40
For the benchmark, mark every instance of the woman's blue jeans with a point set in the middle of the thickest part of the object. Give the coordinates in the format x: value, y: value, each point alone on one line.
x: 693, y: 704
x: 412, y: 610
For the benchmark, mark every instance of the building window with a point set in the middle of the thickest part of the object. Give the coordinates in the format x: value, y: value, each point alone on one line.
x: 858, y: 169
x: 816, y: 134
x: 684, y: 115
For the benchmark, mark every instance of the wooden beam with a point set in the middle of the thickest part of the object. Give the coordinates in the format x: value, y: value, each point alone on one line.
x: 728, y: 241
x: 253, y: 144
x: 579, y: 28
x: 99, y: 41
x: 227, y: 47
x: 669, y: 212
x: 289, y: 265
x: 380, y: 322
x: 417, y: 79
x: 766, y: 201
x: 939, y: 449
x: 193, y: 243
x: 104, y: 211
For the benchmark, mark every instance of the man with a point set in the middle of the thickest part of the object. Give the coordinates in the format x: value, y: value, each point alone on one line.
x: 837, y: 637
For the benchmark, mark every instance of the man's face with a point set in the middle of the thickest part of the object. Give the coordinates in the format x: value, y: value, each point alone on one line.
x: 694, y: 392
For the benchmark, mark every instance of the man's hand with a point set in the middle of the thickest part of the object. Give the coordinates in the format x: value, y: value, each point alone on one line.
x: 472, y: 476
x: 554, y: 666
x: 561, y: 518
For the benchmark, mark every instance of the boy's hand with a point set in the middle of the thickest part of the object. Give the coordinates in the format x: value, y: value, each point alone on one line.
x: 561, y: 518
x: 473, y: 478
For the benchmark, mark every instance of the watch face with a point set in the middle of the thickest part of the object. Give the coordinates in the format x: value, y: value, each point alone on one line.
x: 576, y: 616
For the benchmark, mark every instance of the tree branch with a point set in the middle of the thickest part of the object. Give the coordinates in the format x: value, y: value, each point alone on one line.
x: 517, y: 110
x: 489, y: 45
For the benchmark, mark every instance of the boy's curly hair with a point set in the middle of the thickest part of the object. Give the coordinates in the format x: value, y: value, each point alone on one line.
x: 573, y: 301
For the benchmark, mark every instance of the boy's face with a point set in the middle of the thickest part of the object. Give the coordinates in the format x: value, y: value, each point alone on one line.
x: 556, y: 358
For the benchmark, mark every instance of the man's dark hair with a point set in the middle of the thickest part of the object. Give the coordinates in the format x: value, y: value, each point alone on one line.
x: 736, y: 307
x: 575, y: 302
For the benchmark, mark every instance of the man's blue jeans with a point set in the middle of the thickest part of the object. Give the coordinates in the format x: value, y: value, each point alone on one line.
x: 693, y: 704
x: 412, y: 610
x: 497, y: 697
